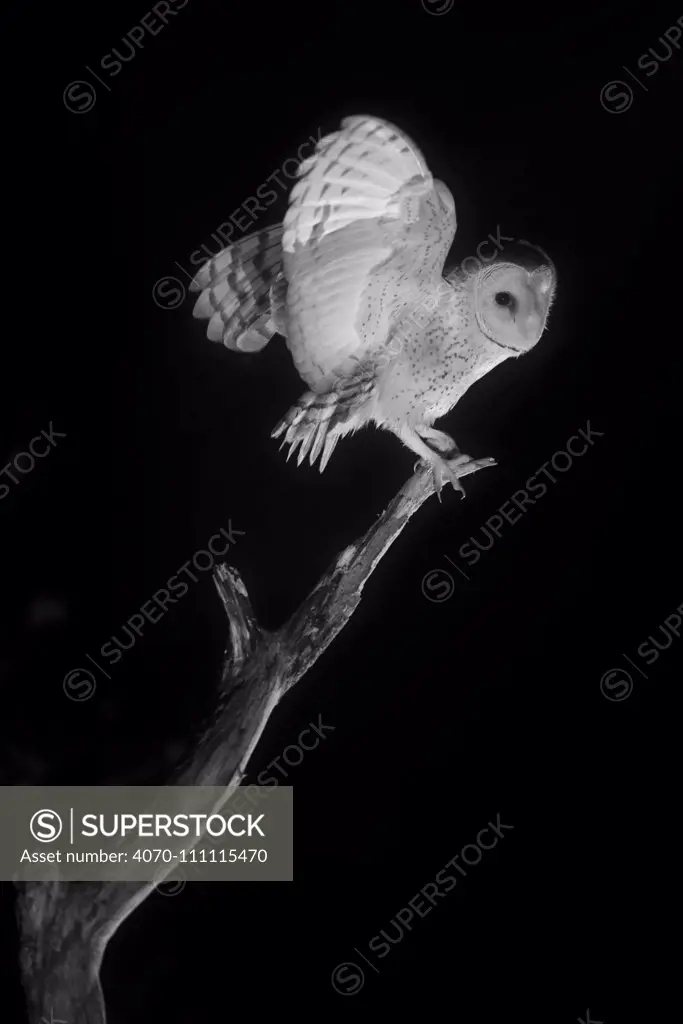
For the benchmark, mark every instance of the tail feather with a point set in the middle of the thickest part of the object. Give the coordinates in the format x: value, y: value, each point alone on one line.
x: 318, y: 420
x: 330, y: 445
x: 237, y: 287
x: 313, y: 423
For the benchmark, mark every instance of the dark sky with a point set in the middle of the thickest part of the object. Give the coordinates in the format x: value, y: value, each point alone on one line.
x: 446, y: 713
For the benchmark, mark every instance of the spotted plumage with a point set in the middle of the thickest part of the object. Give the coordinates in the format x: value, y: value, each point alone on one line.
x: 354, y: 281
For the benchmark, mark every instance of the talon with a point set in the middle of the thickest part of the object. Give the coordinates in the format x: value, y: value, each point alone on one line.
x: 443, y: 473
x: 453, y: 476
x: 438, y: 484
x: 447, y: 470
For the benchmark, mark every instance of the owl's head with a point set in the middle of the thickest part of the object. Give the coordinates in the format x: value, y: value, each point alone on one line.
x: 512, y: 301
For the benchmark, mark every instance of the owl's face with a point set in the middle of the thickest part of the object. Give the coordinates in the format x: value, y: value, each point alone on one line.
x: 512, y: 304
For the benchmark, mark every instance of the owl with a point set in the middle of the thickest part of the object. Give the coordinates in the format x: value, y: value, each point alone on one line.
x: 354, y: 282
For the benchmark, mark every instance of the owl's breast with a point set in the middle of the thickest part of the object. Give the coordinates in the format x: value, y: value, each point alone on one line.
x: 435, y: 366
x: 416, y: 374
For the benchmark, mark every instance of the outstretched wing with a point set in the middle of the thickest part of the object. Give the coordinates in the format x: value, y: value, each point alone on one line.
x: 366, y: 233
x: 241, y: 290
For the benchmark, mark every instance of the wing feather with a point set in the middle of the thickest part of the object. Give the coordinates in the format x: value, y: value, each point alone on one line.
x: 367, y: 225
x: 240, y: 291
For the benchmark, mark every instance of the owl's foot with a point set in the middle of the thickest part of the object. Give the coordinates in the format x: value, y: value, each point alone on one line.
x: 446, y: 471
x: 450, y: 470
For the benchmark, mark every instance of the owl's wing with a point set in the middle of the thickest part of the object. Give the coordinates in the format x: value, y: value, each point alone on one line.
x: 241, y: 291
x: 367, y: 227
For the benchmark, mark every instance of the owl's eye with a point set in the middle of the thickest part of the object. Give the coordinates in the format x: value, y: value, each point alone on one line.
x: 504, y: 299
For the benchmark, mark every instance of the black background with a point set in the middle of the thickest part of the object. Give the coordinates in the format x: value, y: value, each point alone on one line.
x: 445, y: 714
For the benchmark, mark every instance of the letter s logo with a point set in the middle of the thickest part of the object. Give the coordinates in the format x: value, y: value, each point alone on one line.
x: 46, y: 826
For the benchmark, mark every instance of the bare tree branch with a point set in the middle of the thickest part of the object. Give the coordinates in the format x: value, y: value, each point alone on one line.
x: 65, y: 926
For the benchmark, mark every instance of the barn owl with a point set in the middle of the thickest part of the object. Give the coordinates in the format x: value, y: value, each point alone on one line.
x: 354, y: 281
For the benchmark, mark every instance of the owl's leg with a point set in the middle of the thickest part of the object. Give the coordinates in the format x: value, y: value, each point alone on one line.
x: 436, y: 438
x: 443, y: 470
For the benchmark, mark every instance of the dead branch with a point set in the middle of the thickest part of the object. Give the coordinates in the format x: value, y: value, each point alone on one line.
x: 65, y: 926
